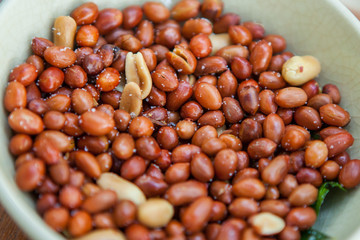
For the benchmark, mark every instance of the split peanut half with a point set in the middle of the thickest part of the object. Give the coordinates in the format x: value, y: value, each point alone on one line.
x: 131, y: 99
x: 137, y: 72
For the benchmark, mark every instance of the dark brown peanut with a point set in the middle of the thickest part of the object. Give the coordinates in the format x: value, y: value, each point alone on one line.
x: 271, y: 80
x: 261, y: 148
x: 185, y: 10
x: 39, y: 45
x: 85, y: 13
x: 260, y: 56
x: 60, y: 57
x: 200, y: 45
x: 167, y: 138
x: 243, y: 207
x: 249, y: 100
x: 338, y: 143
x: 267, y: 103
x: 319, y: 100
x: 349, y: 174
x: 311, y: 88
x: 303, y: 218
x: 25, y: 121
x: 225, y: 164
x: 178, y: 172
x: 165, y: 80
x: 291, y: 97
x: 15, y: 96
x: 75, y: 76
x: 309, y: 175
x: 256, y: 29
x: 148, y: 148
x: 197, y: 214
x: 330, y: 170
x: 30, y: 174
x: 212, y: 118
x: 308, y: 117
x: 80, y: 223
x: 124, y: 213
x: 96, y: 123
x: 277, y: 207
x: 333, y: 91
x: 232, y: 110
x: 108, y: 19
x: 93, y: 144
x: 177, y: 98
x: 304, y: 194
x: 334, y: 115
x: 276, y: 171
x: 57, y: 218
x: 240, y: 35
x: 227, y: 84
x: 231, y: 141
x: 145, y: 33
x: 185, y: 192
x: 229, y: 53
x: 210, y: 65
x: 168, y: 37
x: 100, y: 201
x: 196, y: 26
x: 222, y: 24
x: 249, y: 187
x: 249, y: 130
x: 201, y: 167
x: 278, y: 43
x: 156, y: 12
x: 87, y: 163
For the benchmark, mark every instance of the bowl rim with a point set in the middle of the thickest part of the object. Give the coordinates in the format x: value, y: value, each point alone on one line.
x: 22, y: 213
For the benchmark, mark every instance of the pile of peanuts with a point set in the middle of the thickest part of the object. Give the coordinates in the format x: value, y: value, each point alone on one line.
x: 134, y: 125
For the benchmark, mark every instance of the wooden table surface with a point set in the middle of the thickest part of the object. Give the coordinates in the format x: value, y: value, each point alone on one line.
x: 9, y: 230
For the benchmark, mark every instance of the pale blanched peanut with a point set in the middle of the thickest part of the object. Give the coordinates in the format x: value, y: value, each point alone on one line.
x: 123, y: 188
x: 137, y: 71
x: 219, y: 41
x: 64, y: 31
x: 267, y: 224
x: 131, y: 99
x: 155, y: 212
x: 300, y: 69
x: 103, y: 234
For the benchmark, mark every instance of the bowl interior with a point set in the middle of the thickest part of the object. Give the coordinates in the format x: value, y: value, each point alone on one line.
x: 324, y: 29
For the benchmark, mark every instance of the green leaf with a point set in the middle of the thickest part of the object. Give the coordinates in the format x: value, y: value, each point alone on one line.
x: 323, y: 191
x: 312, y: 234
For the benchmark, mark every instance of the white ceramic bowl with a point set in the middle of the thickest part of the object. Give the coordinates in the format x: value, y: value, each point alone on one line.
x: 324, y: 28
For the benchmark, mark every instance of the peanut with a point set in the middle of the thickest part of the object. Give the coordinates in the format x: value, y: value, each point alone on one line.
x: 300, y: 69
x: 103, y: 234
x: 131, y: 99
x: 123, y: 188
x: 155, y: 212
x: 266, y: 223
x: 64, y: 31
x: 219, y: 41
x: 137, y: 71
